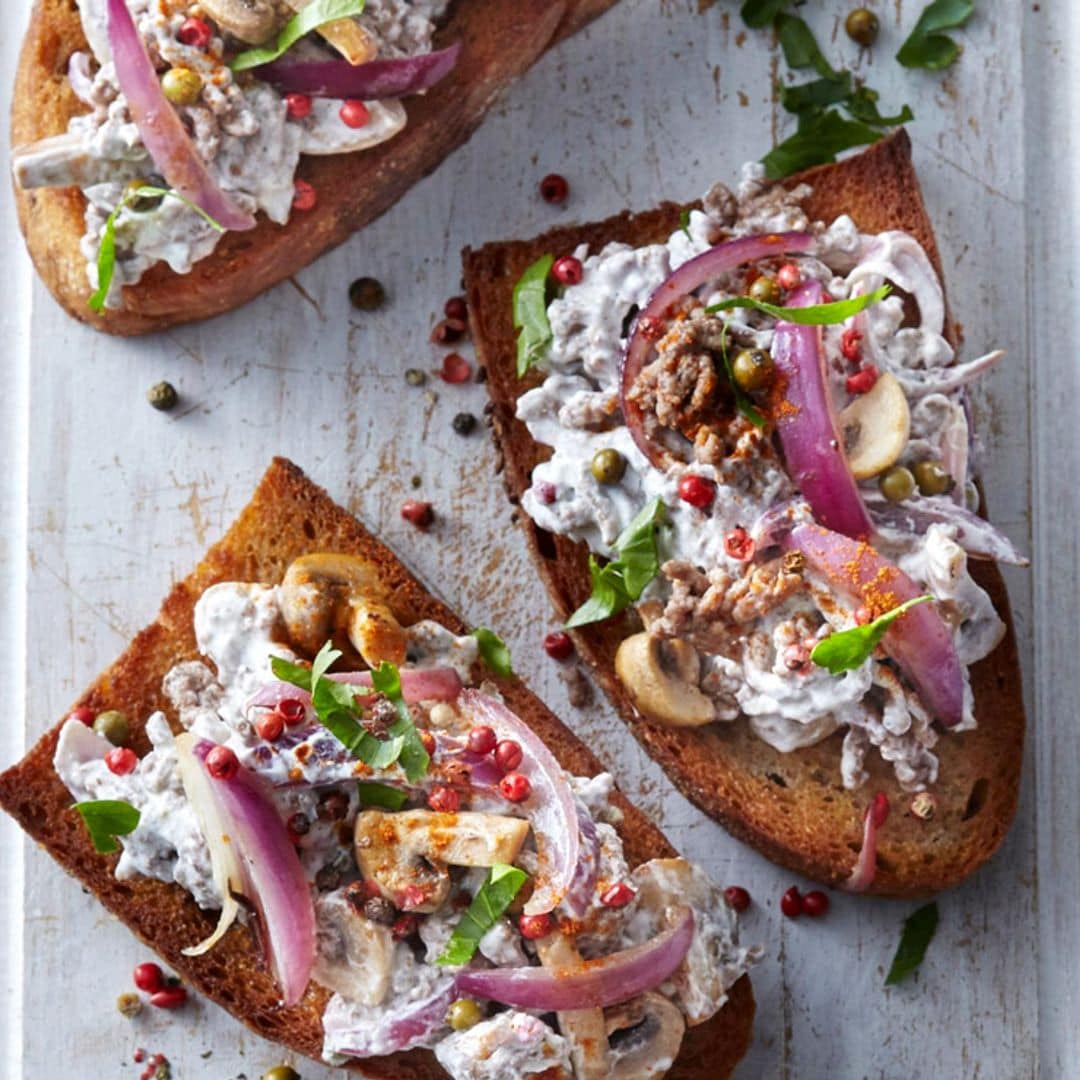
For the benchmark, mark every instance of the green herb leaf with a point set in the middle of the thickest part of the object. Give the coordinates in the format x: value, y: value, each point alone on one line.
x: 385, y: 797
x: 414, y: 758
x: 759, y: 13
x: 106, y: 259
x: 106, y: 819
x: 495, y: 896
x: 817, y: 142
x: 836, y: 311
x: 848, y: 649
x: 493, y: 650
x: 316, y: 14
x: 743, y: 402
x: 918, y: 932
x: 862, y: 105
x: 807, y: 98
x: 531, y: 297
x: 684, y: 224
x: 336, y: 708
x: 800, y: 47
x: 927, y: 46
x: 620, y: 582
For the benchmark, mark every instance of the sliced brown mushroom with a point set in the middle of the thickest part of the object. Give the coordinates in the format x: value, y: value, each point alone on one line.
x: 406, y: 854
x: 66, y: 161
x: 876, y: 427
x: 251, y: 21
x: 326, y: 594
x: 583, y: 1029
x: 346, y: 35
x: 662, y: 677
x: 355, y: 957
x: 644, y: 1037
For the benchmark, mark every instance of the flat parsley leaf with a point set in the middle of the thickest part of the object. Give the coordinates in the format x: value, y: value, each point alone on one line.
x: 815, y: 315
x: 800, y: 47
x: 372, y: 793
x: 817, y: 142
x: 336, y: 708
x: 493, y: 650
x: 918, y: 932
x: 311, y: 17
x: 106, y: 819
x: 848, y: 649
x: 927, y: 46
x: 759, y: 13
x: 616, y: 585
x: 495, y: 896
x: 531, y: 296
x: 106, y: 258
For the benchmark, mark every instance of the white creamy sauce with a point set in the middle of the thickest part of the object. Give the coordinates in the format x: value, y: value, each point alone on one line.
x: 239, y: 129
x: 375, y: 980
x: 575, y: 412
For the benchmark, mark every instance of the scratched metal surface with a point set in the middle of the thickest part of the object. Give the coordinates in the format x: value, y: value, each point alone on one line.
x: 105, y: 502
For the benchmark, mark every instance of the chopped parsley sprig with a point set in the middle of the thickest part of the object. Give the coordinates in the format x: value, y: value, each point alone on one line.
x: 918, y: 933
x: 494, y: 897
x: 493, y: 650
x: 849, y: 649
x: 532, y: 294
x: 928, y: 46
x: 106, y: 819
x: 337, y: 710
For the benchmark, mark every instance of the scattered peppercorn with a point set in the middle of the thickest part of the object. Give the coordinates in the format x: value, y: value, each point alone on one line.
x: 281, y: 1072
x: 404, y: 927
x: 559, y: 645
x: 163, y: 396
x: 292, y: 710
x: 464, y: 1014
x: 924, y: 806
x: 194, y: 32
x: 448, y: 331
x: 222, y: 763
x: 464, y: 423
x: 765, y: 290
x: 83, y: 714
x: 554, y: 188
x: 367, y: 294
x: 515, y: 787
x: 815, y: 904
x: 171, y: 997
x: 738, y: 544
x: 933, y: 478
x: 535, y: 926
x: 788, y: 277
x: 444, y: 800
x: 121, y: 761
x: 181, y: 85
x: 113, y: 724
x: 568, y: 270
x: 297, y: 106
x: 481, y: 739
x: 270, y: 726
x: 737, y: 897
x: 791, y: 903
x: 455, y: 368
x: 129, y: 1005
x: 415, y: 481
x: 419, y: 513
x: 862, y: 382
x: 456, y: 308
x: 508, y: 755
x: 897, y: 484
x: 849, y: 345
x: 148, y: 977
x: 752, y: 369
x: 862, y: 26
x: 304, y: 195
x: 415, y: 377
x: 379, y: 910
x: 354, y: 113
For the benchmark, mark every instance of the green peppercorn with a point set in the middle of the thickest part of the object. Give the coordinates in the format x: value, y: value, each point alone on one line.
x: 281, y: 1072
x: 367, y: 294
x: 765, y: 290
x: 113, y: 724
x: 608, y: 466
x: 862, y: 26
x: 463, y: 1014
x: 897, y: 484
x: 464, y: 423
x: 181, y: 85
x: 752, y: 369
x: 933, y: 478
x: 416, y: 481
x: 129, y: 1005
x: 162, y: 396
x: 415, y: 377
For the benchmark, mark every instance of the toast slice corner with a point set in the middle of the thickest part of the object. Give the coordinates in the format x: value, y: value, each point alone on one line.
x: 289, y: 515
x: 500, y: 40
x: 791, y: 807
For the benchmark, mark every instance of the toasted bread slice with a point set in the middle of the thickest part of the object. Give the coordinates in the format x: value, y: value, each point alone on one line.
x: 792, y: 807
x: 500, y: 40
x: 288, y: 516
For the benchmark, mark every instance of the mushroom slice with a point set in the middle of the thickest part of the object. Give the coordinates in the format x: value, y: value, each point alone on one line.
x: 406, y: 853
x: 583, y: 1029
x: 644, y: 1037
x: 65, y: 161
x: 376, y: 634
x: 875, y: 428
x: 662, y: 678
x: 355, y: 957
x: 346, y: 35
x: 252, y: 21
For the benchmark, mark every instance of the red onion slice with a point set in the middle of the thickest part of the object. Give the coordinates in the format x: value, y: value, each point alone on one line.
x: 862, y: 877
x: 698, y: 271
x: 411, y: 1024
x: 272, y: 877
x: 417, y: 684
x: 807, y: 427
x: 160, y: 127
x: 551, y: 808
x: 369, y: 82
x: 599, y: 983
x: 919, y: 641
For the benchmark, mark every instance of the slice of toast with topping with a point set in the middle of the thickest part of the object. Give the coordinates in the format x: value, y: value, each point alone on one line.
x: 792, y: 807
x: 287, y: 517
x: 500, y: 40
